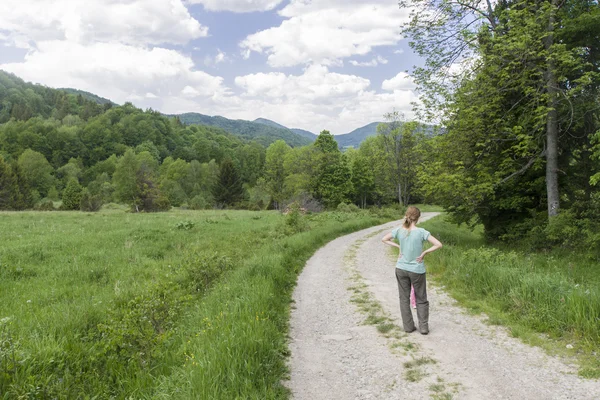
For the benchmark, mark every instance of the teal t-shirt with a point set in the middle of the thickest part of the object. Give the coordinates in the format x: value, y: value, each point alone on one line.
x: 411, y: 246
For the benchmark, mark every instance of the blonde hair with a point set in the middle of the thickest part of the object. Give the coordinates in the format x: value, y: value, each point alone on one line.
x: 412, y: 215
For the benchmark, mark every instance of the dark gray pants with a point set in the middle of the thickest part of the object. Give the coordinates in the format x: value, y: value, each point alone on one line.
x: 419, y: 282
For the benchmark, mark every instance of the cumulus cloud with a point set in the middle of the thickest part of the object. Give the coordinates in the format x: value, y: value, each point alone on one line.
x: 317, y: 99
x: 373, y: 63
x: 324, y: 32
x: 402, y: 81
x: 117, y: 71
x: 316, y: 84
x: 239, y: 6
x: 127, y: 21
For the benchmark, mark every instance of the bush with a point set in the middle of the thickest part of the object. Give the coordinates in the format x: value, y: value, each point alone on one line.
x: 199, y: 202
x: 184, y: 225
x: 44, y: 205
x: 203, y: 268
x: 90, y: 202
x: 305, y: 201
x: 343, y: 207
x: 71, y: 195
x: 294, y: 220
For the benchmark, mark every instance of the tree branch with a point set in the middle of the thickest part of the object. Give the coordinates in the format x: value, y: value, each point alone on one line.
x: 522, y: 170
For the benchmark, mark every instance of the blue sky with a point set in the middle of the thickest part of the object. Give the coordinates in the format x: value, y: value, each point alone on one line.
x: 310, y: 64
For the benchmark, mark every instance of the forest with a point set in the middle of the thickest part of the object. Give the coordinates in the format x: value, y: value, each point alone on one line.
x: 61, y: 149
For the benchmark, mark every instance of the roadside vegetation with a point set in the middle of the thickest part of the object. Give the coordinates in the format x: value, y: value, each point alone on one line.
x: 547, y: 298
x: 184, y: 304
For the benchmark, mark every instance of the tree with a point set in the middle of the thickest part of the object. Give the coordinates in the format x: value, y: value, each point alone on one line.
x: 10, y: 192
x: 37, y: 171
x: 71, y: 197
x: 228, y: 190
x: 400, y: 141
x: 513, y: 119
x: 363, y: 180
x: 125, y: 179
x: 275, y: 171
x: 330, y: 181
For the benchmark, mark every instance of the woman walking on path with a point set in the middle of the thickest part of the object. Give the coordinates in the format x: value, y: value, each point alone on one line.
x: 410, y: 269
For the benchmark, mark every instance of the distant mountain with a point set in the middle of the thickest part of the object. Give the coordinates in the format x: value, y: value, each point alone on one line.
x: 357, y: 136
x: 268, y: 122
x: 88, y: 96
x: 297, y: 131
x: 264, y: 133
x: 307, y: 134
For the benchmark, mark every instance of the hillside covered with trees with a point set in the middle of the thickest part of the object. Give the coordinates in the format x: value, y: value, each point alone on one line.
x: 64, y: 148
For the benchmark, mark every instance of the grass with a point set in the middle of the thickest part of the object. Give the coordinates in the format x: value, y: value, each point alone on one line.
x: 551, y: 299
x: 184, y: 304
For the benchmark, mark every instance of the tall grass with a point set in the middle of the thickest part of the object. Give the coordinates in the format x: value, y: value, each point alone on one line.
x: 552, y: 293
x: 181, y: 304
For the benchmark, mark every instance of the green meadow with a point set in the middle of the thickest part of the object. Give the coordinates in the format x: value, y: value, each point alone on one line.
x: 550, y: 299
x: 184, y: 304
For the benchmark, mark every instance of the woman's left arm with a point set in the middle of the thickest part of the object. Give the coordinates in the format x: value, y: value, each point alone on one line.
x: 436, y: 245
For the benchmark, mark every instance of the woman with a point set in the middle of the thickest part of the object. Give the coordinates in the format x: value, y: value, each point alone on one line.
x: 410, y: 269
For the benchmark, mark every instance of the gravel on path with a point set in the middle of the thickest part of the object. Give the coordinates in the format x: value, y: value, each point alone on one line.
x: 335, y: 355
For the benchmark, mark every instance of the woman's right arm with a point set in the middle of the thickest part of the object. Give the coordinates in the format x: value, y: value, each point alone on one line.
x: 387, y: 239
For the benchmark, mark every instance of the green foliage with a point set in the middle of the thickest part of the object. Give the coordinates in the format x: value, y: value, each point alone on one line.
x: 185, y: 225
x: 262, y: 133
x: 294, y: 219
x: 554, y: 293
x: 90, y: 202
x: 199, y: 202
x: 202, y: 269
x: 530, y: 67
x: 275, y: 173
x: 343, y: 207
x: 14, y: 191
x: 44, y: 205
x: 37, y: 171
x: 228, y: 190
x: 72, y: 195
x: 147, y: 304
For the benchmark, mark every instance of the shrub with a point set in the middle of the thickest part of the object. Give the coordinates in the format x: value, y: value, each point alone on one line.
x: 294, y: 220
x: 90, y: 202
x: 343, y: 207
x: 305, y: 201
x: 199, y: 202
x: 71, y: 195
x: 184, y: 225
x: 44, y: 205
x: 203, y: 268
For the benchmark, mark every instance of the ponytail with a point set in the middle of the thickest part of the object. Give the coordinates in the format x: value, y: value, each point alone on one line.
x: 412, y: 215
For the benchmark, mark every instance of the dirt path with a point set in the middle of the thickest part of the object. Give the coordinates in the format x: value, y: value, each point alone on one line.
x: 335, y: 355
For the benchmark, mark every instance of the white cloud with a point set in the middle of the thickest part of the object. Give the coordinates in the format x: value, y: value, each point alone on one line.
x: 402, y: 81
x: 316, y: 100
x: 373, y: 63
x: 127, y: 21
x: 117, y: 71
x: 112, y: 48
x: 213, y: 61
x: 326, y: 31
x: 239, y: 6
x: 316, y: 84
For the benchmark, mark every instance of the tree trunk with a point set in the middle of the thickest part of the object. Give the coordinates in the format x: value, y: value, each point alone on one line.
x: 399, y: 185
x: 552, y: 124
